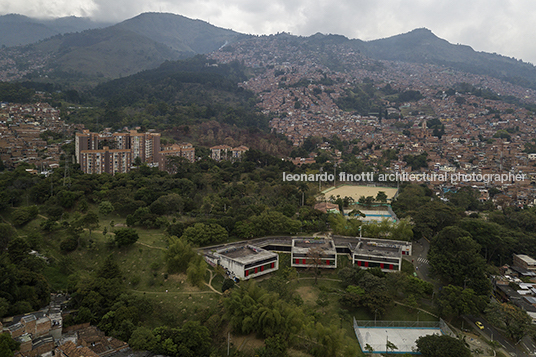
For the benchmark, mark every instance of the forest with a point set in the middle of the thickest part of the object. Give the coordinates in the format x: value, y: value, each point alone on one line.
x: 210, y: 202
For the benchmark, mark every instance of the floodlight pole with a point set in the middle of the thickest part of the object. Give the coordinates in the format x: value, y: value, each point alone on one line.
x: 335, y: 175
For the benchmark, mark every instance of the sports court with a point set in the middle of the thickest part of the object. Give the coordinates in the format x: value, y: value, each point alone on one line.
x: 381, y: 335
x: 357, y: 191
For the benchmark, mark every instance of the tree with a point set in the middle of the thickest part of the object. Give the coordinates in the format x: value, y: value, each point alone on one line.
x: 175, y: 229
x: 6, y: 233
x: 23, y: 215
x: 466, y: 198
x: 456, y: 301
x: 203, y: 234
x: 381, y: 197
x: 432, y: 217
x: 18, y: 250
x: 178, y: 255
x: 402, y: 230
x: 90, y: 221
x: 109, y: 269
x: 365, y: 288
x: 411, y: 196
x: 142, y: 339
x: 441, y: 346
x: 327, y: 340
x: 493, y: 238
x: 314, y: 259
x: 8, y: 346
x: 196, y: 271
x: 227, y: 284
x: 454, y: 257
x: 167, y: 204
x: 126, y: 236
x: 4, y: 307
x: 250, y: 308
x: 191, y: 340
x: 509, y: 317
x: 275, y: 346
x: 376, y: 294
x: 106, y: 207
x: 273, y: 222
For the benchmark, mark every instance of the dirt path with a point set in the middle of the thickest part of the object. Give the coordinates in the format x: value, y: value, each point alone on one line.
x: 150, y: 246
x: 319, y: 278
x: 174, y: 292
x: 210, y: 283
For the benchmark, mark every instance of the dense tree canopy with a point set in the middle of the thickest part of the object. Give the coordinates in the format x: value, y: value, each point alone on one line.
x: 454, y: 258
x: 441, y: 346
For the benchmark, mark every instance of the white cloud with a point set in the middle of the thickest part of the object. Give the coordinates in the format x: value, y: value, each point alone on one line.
x: 498, y: 26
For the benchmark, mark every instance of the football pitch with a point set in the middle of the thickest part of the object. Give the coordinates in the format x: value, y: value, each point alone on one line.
x: 357, y: 191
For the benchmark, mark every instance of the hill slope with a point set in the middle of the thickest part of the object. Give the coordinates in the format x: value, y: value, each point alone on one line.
x: 422, y: 46
x: 21, y: 30
x: 134, y: 45
x: 180, y: 33
x: 110, y: 53
x: 149, y: 39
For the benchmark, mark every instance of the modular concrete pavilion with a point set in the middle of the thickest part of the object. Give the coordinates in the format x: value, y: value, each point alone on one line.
x: 383, y: 254
x: 244, y: 261
x: 302, y: 248
x: 379, y: 335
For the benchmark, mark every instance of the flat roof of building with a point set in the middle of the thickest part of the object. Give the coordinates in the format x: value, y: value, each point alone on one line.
x: 246, y: 253
x: 527, y: 259
x: 309, y: 243
x: 304, y: 244
x: 378, y: 248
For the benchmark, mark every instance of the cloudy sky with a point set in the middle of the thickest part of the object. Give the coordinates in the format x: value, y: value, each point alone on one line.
x: 502, y: 26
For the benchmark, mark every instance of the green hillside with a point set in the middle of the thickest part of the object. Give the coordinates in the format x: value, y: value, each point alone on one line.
x: 108, y: 53
x: 181, y: 33
x: 22, y: 30
x: 137, y: 44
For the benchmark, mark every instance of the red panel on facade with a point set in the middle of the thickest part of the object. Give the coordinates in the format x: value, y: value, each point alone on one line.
x: 381, y: 265
x: 366, y: 264
x: 247, y: 272
x: 391, y: 266
x: 327, y: 262
x: 272, y: 265
x: 256, y: 270
x: 303, y: 261
x: 262, y: 268
x: 297, y: 261
x: 359, y: 263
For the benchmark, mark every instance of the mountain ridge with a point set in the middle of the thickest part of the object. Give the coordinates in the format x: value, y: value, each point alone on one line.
x: 20, y: 30
x: 145, y: 41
